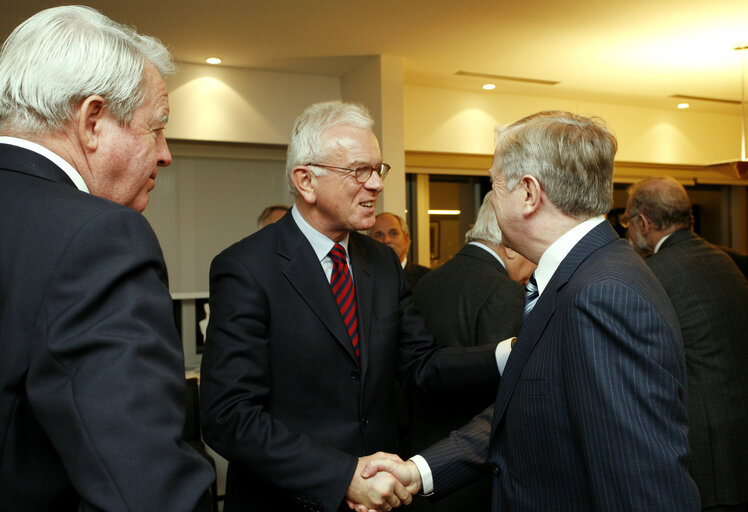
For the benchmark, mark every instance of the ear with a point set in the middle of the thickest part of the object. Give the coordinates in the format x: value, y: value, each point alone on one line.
x: 645, y: 225
x: 304, y: 181
x: 530, y: 187
x: 90, y: 118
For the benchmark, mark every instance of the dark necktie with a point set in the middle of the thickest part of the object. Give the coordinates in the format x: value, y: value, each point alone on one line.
x: 531, y: 294
x: 344, y: 293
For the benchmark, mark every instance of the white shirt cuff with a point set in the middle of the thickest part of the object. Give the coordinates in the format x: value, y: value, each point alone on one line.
x: 427, y: 480
x: 503, y: 349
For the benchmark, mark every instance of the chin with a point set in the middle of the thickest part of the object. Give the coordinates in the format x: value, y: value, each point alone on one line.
x: 139, y: 203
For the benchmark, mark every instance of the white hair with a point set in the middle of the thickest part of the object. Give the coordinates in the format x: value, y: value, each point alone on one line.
x: 486, y: 225
x: 306, y: 145
x: 60, y: 56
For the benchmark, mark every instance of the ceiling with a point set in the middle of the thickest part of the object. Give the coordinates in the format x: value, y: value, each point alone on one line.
x: 637, y: 52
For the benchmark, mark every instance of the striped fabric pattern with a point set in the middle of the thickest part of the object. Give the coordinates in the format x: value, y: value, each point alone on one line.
x: 345, y: 294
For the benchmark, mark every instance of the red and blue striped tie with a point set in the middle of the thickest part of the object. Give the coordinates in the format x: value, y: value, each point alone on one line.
x: 345, y: 294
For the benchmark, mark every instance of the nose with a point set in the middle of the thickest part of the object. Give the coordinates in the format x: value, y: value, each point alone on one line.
x: 164, y: 155
x: 374, y: 182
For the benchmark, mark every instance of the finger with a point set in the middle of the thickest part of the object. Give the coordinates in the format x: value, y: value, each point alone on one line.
x: 354, y: 506
x: 402, y: 493
x: 374, y: 466
x: 392, y: 499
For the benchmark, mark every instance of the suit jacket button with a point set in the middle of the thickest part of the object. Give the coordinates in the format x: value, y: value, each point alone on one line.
x: 365, y: 422
x: 496, y: 471
x: 355, y: 374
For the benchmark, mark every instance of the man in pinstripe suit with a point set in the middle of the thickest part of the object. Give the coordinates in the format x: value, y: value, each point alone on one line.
x: 591, y: 408
x: 710, y: 296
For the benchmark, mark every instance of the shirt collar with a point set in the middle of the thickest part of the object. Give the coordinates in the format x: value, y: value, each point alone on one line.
x: 489, y: 251
x: 555, y: 254
x: 662, y: 240
x: 49, y: 155
x: 320, y: 243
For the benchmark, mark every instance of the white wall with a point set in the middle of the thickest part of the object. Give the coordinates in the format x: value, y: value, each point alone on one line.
x: 453, y: 121
x: 200, y: 206
x: 239, y: 105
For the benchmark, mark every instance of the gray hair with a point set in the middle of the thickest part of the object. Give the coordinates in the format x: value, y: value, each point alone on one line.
x: 663, y: 200
x: 570, y: 155
x: 60, y: 56
x: 486, y: 226
x: 306, y: 144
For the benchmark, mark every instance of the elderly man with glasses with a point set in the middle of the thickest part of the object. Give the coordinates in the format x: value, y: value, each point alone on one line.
x: 311, y: 325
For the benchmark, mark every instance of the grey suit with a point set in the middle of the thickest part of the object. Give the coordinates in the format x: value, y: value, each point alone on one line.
x: 710, y: 296
x: 468, y: 301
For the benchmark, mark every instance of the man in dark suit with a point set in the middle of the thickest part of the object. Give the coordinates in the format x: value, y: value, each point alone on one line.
x: 297, y: 375
x: 392, y: 230
x: 710, y: 296
x: 473, y: 299
x: 92, y: 372
x: 590, y: 412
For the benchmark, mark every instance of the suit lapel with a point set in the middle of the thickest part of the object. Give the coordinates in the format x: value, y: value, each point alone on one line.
x: 363, y: 280
x: 536, y: 322
x: 305, y: 274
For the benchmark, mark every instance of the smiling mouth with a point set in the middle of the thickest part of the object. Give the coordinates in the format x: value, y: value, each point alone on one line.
x: 368, y: 204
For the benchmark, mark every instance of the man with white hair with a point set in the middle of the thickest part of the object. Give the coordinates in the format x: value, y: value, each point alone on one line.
x: 311, y: 324
x: 92, y: 380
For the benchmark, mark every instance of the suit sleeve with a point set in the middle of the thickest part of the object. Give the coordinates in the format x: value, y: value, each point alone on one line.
x: 462, y: 457
x: 107, y: 383
x: 434, y: 369
x: 625, y: 394
x: 236, y: 386
x: 500, y: 317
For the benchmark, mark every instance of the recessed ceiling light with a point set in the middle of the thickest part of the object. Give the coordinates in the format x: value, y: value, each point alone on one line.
x: 213, y: 60
x: 683, y: 105
x: 444, y: 212
x: 489, y: 87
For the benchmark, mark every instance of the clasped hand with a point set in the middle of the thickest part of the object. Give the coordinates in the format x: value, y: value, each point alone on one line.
x: 382, y: 481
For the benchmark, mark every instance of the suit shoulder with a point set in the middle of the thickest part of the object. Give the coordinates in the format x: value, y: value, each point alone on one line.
x: 260, y: 240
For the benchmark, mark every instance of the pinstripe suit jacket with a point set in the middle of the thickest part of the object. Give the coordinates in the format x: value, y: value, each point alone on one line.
x: 710, y: 297
x: 590, y: 413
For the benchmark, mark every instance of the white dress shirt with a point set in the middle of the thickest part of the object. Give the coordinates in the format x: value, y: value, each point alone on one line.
x: 321, y: 244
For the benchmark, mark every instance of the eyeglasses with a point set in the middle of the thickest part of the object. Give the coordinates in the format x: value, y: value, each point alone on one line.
x: 625, y: 220
x: 363, y: 173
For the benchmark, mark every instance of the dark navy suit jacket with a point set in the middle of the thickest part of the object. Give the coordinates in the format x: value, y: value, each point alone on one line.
x: 591, y: 409
x: 91, y: 366
x: 283, y: 396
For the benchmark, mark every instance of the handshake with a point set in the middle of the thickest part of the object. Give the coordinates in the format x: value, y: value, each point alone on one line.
x: 382, y: 481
